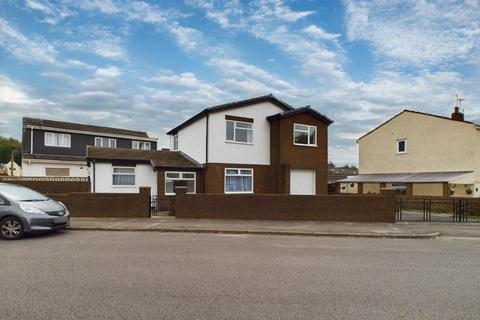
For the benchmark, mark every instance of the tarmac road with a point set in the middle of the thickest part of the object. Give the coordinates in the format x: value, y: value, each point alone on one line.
x: 135, y: 275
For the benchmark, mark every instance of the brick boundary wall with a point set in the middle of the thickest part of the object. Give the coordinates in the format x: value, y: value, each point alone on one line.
x: 51, y: 186
x: 351, y: 208
x: 107, y: 205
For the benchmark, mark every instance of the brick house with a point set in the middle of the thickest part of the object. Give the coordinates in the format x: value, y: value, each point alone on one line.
x: 261, y: 145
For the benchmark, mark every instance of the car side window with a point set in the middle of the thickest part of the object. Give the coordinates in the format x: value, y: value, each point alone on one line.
x: 3, y: 202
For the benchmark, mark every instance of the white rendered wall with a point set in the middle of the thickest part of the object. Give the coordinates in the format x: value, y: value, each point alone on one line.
x: 192, y: 140
x: 220, y: 151
x: 145, y: 176
x: 37, y: 169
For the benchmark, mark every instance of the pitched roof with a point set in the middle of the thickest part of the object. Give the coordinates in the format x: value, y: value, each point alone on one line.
x: 307, y: 109
x: 81, y: 127
x: 412, y: 111
x: 231, y: 105
x: 157, y: 158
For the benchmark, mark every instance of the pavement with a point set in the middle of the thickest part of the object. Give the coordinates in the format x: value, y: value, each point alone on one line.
x: 152, y: 275
x: 399, y: 230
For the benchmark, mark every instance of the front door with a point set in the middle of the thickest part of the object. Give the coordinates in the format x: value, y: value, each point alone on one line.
x: 302, y: 181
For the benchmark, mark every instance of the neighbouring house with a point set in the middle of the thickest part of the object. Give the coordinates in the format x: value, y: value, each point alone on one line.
x: 13, y: 169
x: 337, y: 174
x: 422, y: 154
x: 59, y: 149
x: 126, y: 170
x: 260, y: 145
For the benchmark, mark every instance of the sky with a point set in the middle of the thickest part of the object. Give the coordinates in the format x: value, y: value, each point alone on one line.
x: 149, y: 65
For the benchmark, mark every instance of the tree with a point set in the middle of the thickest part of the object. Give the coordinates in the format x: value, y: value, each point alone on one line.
x: 7, y: 146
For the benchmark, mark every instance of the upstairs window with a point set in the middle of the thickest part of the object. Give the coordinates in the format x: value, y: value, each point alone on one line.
x: 238, y: 131
x: 55, y: 139
x: 304, y: 135
x: 238, y: 180
x: 402, y: 146
x: 123, y: 176
x: 141, y: 145
x: 105, y: 142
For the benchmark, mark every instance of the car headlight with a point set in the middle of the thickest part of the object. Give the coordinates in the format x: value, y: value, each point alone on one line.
x: 30, y: 209
x: 65, y: 207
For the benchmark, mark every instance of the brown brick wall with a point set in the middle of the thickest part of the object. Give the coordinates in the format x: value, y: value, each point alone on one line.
x: 355, y: 208
x: 107, y: 205
x: 53, y: 186
x: 300, y: 157
x: 215, y: 177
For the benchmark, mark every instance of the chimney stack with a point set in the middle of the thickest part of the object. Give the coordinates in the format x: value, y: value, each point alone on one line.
x: 457, y: 115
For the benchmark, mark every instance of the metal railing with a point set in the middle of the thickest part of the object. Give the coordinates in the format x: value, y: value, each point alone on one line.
x: 440, y: 209
x: 162, y: 206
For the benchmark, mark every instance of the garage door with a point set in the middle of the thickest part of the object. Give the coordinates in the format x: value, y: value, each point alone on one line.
x: 302, y: 181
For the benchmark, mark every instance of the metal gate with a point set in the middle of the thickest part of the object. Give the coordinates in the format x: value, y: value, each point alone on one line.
x: 437, y: 209
x: 162, y: 206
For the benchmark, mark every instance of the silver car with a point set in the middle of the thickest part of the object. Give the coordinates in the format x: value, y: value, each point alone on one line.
x: 23, y: 210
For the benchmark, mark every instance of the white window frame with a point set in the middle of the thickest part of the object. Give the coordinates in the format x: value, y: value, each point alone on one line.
x: 62, y: 140
x: 398, y: 146
x: 308, y: 135
x: 175, y: 142
x: 136, y: 144
x: 180, y: 173
x: 124, y: 174
x: 237, y: 175
x: 110, y: 140
x: 234, y: 131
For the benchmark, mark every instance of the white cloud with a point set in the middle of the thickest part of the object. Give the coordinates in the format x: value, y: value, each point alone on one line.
x: 32, y: 50
x: 418, y: 32
x: 54, y: 13
x: 109, y: 72
x: 319, y: 33
x: 12, y: 93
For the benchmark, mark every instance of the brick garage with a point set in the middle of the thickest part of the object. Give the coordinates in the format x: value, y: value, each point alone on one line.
x: 107, y: 205
x: 352, y: 208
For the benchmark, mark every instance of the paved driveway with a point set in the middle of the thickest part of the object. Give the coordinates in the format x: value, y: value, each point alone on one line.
x: 134, y: 275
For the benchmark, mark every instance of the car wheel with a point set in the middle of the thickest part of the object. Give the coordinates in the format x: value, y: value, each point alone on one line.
x: 11, y: 228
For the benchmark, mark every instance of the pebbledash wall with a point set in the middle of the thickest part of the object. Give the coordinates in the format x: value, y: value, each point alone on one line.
x: 107, y: 205
x: 351, y: 208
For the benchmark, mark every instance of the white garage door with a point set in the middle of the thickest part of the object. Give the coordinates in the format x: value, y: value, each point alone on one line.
x: 302, y: 181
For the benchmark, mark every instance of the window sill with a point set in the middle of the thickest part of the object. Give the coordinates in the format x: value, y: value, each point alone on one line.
x: 236, y: 142
x: 124, y: 186
x: 306, y: 145
x: 400, y: 153
x: 50, y: 145
x: 245, y: 192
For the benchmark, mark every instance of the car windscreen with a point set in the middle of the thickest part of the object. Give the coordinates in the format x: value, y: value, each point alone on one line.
x: 19, y: 193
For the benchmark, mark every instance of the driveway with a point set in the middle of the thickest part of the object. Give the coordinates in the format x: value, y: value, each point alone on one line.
x: 145, y: 275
